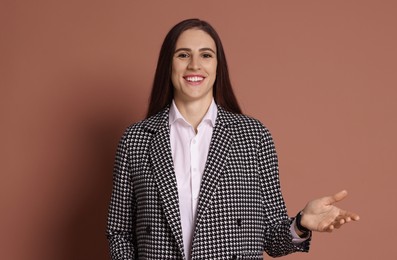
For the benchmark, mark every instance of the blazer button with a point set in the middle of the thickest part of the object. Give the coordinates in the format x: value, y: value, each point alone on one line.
x: 239, y: 222
x: 148, y: 229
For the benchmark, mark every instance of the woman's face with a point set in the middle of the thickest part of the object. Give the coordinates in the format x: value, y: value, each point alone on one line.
x: 194, y: 66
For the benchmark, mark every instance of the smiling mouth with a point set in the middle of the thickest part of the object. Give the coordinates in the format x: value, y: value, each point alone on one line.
x: 194, y: 78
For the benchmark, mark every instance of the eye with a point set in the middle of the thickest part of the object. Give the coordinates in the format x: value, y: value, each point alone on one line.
x: 183, y: 55
x: 207, y: 55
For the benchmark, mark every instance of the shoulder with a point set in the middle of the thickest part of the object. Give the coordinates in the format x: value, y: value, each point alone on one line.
x: 248, y: 131
x: 147, y: 127
x: 242, y: 123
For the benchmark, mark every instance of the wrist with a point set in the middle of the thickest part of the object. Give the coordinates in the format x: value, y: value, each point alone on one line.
x: 299, y: 227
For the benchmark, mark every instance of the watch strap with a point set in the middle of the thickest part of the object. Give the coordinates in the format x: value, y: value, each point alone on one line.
x: 299, y: 225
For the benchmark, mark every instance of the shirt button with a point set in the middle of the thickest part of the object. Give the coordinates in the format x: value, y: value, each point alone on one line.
x: 194, y: 141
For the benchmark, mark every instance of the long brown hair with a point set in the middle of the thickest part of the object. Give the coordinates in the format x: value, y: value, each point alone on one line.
x: 163, y: 91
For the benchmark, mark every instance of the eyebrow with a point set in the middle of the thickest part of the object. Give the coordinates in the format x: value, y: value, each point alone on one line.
x: 202, y: 49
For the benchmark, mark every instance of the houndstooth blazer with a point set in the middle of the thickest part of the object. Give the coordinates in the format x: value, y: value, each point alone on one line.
x: 241, y: 212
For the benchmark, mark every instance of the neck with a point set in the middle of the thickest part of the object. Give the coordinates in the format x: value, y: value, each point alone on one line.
x: 193, y: 112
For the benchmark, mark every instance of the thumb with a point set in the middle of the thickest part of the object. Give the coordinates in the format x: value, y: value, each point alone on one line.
x: 337, y: 197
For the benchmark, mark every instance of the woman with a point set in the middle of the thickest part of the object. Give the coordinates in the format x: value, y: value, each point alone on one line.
x: 197, y: 179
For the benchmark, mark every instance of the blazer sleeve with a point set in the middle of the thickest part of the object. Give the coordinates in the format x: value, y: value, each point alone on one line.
x: 121, y: 217
x: 278, y: 237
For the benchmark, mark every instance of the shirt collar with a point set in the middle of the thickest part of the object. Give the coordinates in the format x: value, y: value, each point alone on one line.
x: 210, y: 116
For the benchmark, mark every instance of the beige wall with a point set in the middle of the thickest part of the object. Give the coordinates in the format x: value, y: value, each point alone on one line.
x: 320, y: 74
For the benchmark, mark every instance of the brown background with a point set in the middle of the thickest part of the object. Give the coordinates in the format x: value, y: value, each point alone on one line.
x: 320, y: 74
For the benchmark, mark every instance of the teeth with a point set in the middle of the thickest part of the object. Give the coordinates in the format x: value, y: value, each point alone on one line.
x: 194, y: 79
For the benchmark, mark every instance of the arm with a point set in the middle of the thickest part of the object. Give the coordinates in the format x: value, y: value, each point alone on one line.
x: 121, y: 208
x: 278, y: 238
x: 319, y: 215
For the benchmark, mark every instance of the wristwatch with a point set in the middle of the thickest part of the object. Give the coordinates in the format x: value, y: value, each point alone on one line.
x: 301, y: 228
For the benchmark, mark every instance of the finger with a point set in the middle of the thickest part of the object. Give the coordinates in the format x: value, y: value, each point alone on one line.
x: 339, y: 221
x: 337, y: 197
x: 330, y: 228
x: 350, y: 215
x: 338, y: 224
x: 325, y: 226
x: 354, y: 216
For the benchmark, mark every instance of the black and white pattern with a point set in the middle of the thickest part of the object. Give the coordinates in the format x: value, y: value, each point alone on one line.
x: 241, y: 212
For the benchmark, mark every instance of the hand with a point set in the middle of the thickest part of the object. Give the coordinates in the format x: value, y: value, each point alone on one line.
x: 321, y: 214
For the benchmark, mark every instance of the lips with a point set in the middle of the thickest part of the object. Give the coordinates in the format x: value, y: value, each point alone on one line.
x: 194, y: 78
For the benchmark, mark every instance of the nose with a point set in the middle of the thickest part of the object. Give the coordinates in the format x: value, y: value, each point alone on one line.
x: 194, y: 63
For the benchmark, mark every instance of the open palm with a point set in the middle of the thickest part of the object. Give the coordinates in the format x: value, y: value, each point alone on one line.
x: 321, y: 214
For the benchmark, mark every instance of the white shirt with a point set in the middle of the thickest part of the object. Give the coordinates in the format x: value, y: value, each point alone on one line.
x: 189, y: 153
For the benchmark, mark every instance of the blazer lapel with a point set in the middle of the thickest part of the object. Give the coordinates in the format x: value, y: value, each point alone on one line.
x: 221, y: 143
x: 165, y: 178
